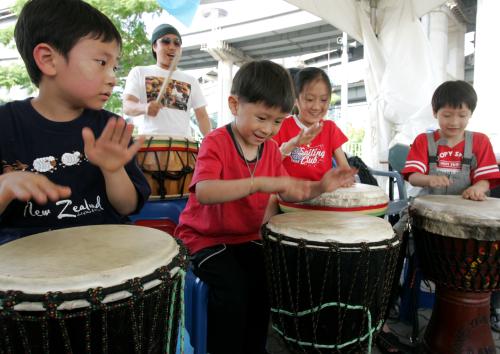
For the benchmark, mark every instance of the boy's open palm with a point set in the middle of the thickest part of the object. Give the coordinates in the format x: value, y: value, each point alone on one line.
x: 294, y: 189
x: 28, y: 185
x: 337, y: 177
x: 110, y: 151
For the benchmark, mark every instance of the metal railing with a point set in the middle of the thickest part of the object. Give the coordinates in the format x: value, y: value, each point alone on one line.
x: 353, y: 149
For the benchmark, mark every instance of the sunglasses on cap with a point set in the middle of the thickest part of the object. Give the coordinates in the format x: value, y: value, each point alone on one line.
x: 168, y: 40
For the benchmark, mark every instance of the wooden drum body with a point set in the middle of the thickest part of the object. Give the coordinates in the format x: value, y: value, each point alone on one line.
x: 330, y: 277
x: 458, y: 247
x: 168, y: 164
x: 95, y: 289
x: 361, y: 199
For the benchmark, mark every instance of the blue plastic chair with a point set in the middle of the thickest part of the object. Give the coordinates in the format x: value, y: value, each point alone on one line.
x: 159, y: 209
x: 195, y: 305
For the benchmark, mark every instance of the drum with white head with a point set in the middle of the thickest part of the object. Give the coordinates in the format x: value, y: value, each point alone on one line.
x: 458, y: 247
x: 330, y: 276
x: 107, y: 288
x: 360, y: 198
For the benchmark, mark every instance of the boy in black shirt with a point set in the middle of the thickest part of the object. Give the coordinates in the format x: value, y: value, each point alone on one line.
x: 55, y: 173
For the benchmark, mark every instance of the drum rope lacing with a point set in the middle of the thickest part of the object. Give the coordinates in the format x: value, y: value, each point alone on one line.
x: 170, y: 286
x: 314, y: 311
x: 457, y: 263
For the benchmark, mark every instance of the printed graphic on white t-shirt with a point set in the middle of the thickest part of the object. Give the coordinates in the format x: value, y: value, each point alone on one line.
x: 176, y: 94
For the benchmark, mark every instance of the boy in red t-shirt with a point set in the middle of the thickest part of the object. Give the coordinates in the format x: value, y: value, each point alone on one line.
x: 452, y: 160
x: 308, y: 141
x: 237, y: 169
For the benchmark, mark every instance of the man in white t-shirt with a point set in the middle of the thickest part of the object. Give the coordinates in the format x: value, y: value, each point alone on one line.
x: 171, y: 115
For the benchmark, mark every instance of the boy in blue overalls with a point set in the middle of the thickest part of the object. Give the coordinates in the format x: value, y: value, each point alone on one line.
x: 452, y: 160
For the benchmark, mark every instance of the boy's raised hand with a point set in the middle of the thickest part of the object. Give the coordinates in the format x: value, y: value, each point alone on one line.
x: 28, y: 185
x: 110, y: 151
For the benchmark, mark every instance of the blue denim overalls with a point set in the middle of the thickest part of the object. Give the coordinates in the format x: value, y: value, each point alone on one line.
x: 460, y: 180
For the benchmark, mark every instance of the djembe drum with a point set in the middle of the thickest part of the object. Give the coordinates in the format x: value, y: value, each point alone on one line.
x: 330, y: 277
x: 457, y: 243
x: 92, y: 289
x: 360, y: 198
x: 168, y: 164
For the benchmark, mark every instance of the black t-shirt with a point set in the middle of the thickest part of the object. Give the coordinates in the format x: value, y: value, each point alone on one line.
x: 30, y: 142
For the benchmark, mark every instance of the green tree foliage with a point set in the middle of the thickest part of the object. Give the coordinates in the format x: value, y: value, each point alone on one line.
x: 355, y: 135
x: 127, y: 15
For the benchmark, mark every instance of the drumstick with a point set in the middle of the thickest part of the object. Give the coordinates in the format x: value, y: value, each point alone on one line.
x: 173, y: 66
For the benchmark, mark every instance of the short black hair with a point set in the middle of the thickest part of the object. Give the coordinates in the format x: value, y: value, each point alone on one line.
x: 61, y: 24
x: 308, y: 75
x: 263, y: 81
x: 454, y: 94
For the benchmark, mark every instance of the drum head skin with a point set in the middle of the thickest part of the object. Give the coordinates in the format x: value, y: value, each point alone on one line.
x: 454, y: 216
x: 337, y: 227
x: 76, y: 259
x: 360, y: 198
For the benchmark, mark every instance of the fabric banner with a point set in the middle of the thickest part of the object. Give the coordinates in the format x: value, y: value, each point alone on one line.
x: 183, y: 10
x: 400, y: 74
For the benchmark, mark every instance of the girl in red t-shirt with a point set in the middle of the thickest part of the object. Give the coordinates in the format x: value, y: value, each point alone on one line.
x: 307, y: 140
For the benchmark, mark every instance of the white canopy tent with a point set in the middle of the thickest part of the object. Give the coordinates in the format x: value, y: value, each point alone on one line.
x: 487, y: 72
x: 400, y: 75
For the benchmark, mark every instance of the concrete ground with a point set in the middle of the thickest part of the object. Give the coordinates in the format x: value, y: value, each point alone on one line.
x: 401, y: 329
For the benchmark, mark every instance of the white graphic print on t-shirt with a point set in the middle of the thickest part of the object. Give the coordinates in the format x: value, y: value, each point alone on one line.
x: 306, y: 155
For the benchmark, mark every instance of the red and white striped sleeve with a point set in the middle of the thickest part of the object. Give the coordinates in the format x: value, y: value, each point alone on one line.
x: 417, y: 160
x: 487, y: 168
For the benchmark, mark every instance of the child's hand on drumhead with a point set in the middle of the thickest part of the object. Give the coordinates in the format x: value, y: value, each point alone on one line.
x: 350, y: 183
x: 338, y: 177
x: 28, y: 185
x: 474, y: 192
x: 111, y: 151
x: 438, y: 181
x: 296, y: 189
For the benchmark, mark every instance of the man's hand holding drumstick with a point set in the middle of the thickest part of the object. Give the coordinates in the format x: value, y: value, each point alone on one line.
x: 153, y: 107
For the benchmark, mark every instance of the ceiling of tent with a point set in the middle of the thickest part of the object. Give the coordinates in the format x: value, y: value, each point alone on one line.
x: 309, y: 38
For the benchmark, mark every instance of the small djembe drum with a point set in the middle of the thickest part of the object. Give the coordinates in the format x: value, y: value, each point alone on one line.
x: 91, y: 289
x: 457, y: 243
x: 168, y: 164
x: 360, y: 198
x: 330, y: 277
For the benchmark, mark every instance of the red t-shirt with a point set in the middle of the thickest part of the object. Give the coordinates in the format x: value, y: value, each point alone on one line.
x: 313, y: 160
x: 201, y: 226
x: 450, y: 158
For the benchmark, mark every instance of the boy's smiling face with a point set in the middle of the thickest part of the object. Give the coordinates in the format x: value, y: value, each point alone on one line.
x: 255, y: 122
x: 453, y: 121
x: 87, y: 77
